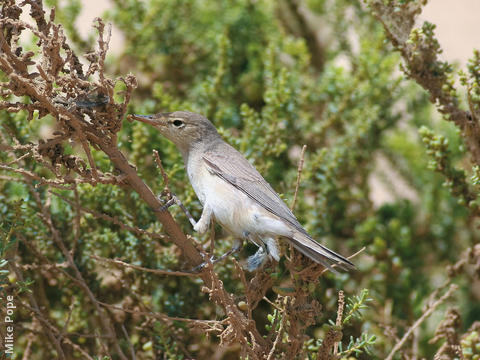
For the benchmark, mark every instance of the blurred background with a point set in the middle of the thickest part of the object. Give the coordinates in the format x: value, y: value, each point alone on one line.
x: 456, y: 25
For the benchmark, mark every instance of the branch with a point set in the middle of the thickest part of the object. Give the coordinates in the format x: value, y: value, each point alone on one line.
x: 141, y: 268
x: 299, y: 176
x: 421, y: 319
x: 419, y: 50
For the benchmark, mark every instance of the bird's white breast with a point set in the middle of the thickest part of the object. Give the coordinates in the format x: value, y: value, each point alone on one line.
x: 233, y: 209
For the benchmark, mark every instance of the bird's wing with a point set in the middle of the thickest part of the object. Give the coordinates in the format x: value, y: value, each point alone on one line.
x: 230, y: 165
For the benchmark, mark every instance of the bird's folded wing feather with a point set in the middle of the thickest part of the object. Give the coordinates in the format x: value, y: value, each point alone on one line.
x: 236, y: 170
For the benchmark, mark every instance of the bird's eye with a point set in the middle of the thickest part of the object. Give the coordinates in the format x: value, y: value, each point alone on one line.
x: 178, y: 123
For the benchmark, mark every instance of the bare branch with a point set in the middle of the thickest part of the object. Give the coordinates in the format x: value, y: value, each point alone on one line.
x: 141, y: 268
x: 421, y: 319
x: 299, y: 175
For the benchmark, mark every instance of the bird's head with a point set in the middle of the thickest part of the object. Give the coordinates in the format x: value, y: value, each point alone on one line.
x: 185, y: 129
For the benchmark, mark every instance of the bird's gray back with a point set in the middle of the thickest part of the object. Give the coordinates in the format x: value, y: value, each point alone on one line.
x: 226, y: 162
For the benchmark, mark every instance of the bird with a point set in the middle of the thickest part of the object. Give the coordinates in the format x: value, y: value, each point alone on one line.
x: 234, y: 193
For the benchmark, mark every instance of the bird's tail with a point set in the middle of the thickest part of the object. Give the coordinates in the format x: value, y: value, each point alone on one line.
x: 319, y: 253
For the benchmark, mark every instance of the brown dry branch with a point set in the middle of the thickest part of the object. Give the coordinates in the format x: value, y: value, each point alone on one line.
x: 338, y: 322
x: 162, y: 170
x: 248, y: 292
x: 208, y: 326
x: 240, y: 328
x: 422, y: 64
x: 278, y: 337
x: 331, y: 338
x: 448, y: 329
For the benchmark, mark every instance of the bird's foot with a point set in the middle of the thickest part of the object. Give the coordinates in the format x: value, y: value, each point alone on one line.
x: 175, y: 200
x: 268, y: 249
x: 166, y: 204
x: 257, y: 260
x: 171, y: 200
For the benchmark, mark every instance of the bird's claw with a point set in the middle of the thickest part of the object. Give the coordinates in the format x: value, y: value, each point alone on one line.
x: 202, y: 266
x: 166, y: 204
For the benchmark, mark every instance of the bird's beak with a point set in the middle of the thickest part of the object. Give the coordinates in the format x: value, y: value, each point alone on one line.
x: 155, y: 120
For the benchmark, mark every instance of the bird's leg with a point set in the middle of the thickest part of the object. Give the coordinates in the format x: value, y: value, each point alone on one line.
x: 175, y: 200
x: 237, y: 246
x: 204, y: 222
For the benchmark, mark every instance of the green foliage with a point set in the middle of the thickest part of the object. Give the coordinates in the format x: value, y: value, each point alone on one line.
x: 437, y: 148
x: 354, y: 306
x: 471, y: 346
x: 358, y: 346
x: 368, y: 180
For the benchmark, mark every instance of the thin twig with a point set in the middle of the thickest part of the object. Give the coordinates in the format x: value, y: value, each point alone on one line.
x: 294, y: 201
x: 162, y: 170
x: 76, y: 222
x: 28, y: 349
x: 277, y: 338
x: 130, y: 345
x: 241, y: 275
x: 141, y: 268
x: 273, y: 304
x: 69, y: 316
x: 299, y: 174
x: 348, y: 258
x: 163, y: 317
x: 28, y: 153
x: 421, y: 319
